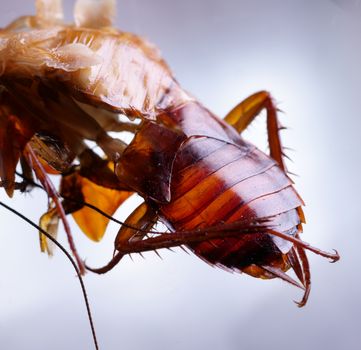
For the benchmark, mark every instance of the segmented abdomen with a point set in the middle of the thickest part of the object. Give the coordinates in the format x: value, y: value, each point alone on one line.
x: 214, y: 182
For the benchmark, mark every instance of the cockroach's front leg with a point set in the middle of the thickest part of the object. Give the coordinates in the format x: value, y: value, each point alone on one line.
x: 245, y: 112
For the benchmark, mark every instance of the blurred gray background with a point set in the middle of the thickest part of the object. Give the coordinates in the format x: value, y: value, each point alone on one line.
x: 308, y: 55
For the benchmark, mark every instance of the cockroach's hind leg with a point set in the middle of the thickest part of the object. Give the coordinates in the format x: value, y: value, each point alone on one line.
x: 160, y: 257
x: 235, y: 229
x: 336, y: 255
x: 294, y: 261
x: 299, y: 262
x: 246, y: 111
x: 277, y: 272
x: 299, y: 243
x: 307, y: 275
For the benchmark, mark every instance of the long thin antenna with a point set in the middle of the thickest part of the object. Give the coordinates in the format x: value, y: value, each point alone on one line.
x: 82, y: 285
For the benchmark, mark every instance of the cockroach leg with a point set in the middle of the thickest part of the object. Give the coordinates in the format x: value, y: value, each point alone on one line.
x: 236, y: 229
x: 294, y: 261
x: 304, y: 245
x: 138, y: 224
x: 297, y: 256
x: 278, y: 273
x: 127, y: 245
x: 40, y: 173
x: 102, y: 270
x: 176, y: 239
x: 307, y: 275
x: 246, y: 111
x: 135, y: 228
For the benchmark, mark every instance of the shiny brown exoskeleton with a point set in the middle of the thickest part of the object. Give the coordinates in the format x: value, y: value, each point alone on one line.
x: 228, y: 202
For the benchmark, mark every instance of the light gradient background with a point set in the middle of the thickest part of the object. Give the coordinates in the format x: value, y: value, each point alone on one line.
x: 308, y: 55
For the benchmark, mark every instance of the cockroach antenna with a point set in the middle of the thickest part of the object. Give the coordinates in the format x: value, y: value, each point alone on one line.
x: 82, y: 285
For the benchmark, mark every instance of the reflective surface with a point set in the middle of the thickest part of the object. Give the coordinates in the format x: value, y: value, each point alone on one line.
x: 307, y: 54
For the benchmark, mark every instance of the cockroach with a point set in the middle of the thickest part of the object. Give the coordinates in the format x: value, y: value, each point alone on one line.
x: 219, y: 196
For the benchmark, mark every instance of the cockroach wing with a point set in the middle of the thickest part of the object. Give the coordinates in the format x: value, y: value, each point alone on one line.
x: 41, y: 53
x: 132, y: 78
x: 104, y: 68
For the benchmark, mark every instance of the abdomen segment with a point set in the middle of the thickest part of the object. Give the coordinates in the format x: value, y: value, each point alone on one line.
x: 215, y: 182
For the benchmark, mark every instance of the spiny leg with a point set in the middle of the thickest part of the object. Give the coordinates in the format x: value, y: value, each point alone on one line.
x: 246, y: 111
x: 277, y: 272
x: 177, y: 239
x: 307, y: 274
x: 298, y: 260
x: 135, y: 228
x: 294, y: 261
